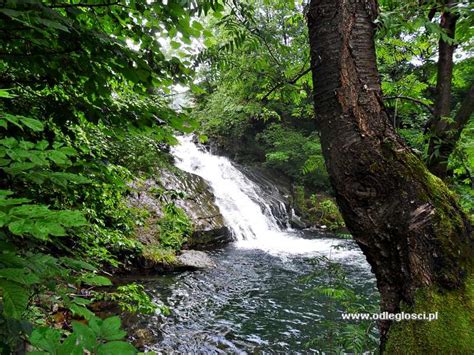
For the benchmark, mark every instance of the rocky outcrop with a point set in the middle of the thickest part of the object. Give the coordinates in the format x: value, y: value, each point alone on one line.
x: 209, y: 229
x: 275, y: 190
x: 194, y: 196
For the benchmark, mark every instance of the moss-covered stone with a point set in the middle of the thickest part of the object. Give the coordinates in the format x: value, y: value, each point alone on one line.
x: 451, y: 333
x: 319, y: 209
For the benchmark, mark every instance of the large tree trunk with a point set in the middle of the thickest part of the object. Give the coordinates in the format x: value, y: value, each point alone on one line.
x: 405, y: 220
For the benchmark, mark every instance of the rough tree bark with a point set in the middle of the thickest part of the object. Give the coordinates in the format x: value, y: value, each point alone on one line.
x: 405, y: 220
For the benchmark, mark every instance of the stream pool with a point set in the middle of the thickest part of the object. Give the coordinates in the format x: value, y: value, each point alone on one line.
x: 253, y: 301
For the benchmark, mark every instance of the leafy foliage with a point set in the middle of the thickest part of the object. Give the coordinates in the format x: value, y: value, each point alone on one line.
x: 257, y: 103
x: 96, y: 337
x: 298, y: 156
x: 175, y: 227
x: 82, y: 112
x: 340, y: 335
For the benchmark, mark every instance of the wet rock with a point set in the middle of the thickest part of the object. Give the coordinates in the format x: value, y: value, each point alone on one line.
x: 275, y: 190
x: 209, y: 229
x: 193, y: 260
x: 297, y: 222
x: 144, y: 197
x: 143, y: 337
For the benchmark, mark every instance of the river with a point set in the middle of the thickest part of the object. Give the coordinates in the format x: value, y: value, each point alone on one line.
x: 259, y: 297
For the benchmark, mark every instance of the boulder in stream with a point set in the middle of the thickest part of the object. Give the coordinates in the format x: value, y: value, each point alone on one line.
x: 209, y: 229
x: 193, y: 260
x: 198, y: 202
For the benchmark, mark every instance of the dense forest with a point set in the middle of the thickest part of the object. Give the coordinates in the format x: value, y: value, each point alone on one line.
x: 323, y: 121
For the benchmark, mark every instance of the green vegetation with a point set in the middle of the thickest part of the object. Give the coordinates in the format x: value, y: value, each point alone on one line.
x: 341, y: 336
x: 82, y: 114
x: 85, y: 112
x: 97, y: 337
x: 318, y: 209
x: 174, y: 227
x: 159, y: 255
x: 256, y: 90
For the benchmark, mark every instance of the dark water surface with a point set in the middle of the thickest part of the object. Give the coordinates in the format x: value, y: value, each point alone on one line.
x: 251, y: 302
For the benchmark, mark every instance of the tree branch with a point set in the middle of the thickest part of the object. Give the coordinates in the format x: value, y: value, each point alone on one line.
x: 408, y: 98
x: 291, y: 81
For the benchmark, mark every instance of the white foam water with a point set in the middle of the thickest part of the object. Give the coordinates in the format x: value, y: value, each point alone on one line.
x: 244, y: 210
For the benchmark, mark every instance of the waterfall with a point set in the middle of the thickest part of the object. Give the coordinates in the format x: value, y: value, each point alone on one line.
x: 240, y: 201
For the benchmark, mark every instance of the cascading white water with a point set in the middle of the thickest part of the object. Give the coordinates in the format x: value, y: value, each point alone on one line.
x: 244, y: 210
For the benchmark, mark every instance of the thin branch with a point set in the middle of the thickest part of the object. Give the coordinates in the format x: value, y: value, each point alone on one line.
x: 432, y: 12
x: 408, y: 98
x: 291, y: 82
x: 256, y: 32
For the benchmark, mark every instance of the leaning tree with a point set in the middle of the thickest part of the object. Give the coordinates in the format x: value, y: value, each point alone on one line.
x: 406, y: 221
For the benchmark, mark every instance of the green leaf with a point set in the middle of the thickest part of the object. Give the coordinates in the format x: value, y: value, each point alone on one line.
x: 71, y: 218
x: 116, y: 347
x: 68, y: 151
x: 10, y: 13
x: 12, y: 201
x: 81, y: 311
x: 8, y: 142
x: 17, y: 227
x: 175, y: 45
x: 15, y: 299
x: 52, y: 228
x: 110, y: 329
x: 4, y: 93
x: 81, y: 301
x: 4, y: 193
x: 31, y: 211
x: 77, y: 264
x: 85, y: 335
x: 47, y: 339
x: 12, y: 119
x: 58, y: 157
x: 4, y: 219
x: 95, y: 323
x: 22, y: 276
x: 33, y: 124
x: 96, y: 280
x: 42, y: 145
x: 197, y: 25
x: 17, y: 168
x: 42, y: 230
x: 64, y: 178
x: 52, y: 24
x: 70, y: 346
